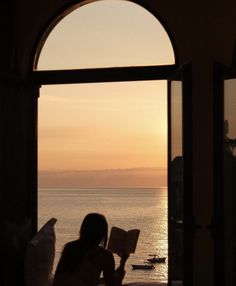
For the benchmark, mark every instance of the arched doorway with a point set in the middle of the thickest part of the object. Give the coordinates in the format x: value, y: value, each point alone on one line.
x: 94, y: 70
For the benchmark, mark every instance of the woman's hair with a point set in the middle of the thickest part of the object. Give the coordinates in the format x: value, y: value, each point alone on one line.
x: 94, y: 229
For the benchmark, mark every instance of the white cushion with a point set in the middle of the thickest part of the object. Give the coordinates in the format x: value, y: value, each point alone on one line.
x: 39, y: 256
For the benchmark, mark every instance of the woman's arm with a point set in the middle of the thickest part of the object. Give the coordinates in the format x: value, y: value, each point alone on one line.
x: 63, y: 268
x: 109, y: 270
x: 123, y: 259
x: 114, y: 277
x: 120, y: 271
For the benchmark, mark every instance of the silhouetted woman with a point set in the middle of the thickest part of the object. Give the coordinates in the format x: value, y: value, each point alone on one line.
x: 83, y: 260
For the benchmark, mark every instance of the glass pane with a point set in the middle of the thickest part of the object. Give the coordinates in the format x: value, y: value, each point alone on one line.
x: 230, y: 181
x: 103, y: 148
x: 106, y: 34
x: 176, y: 184
x: 176, y: 120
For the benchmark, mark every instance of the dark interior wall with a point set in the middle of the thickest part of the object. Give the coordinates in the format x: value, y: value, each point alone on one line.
x: 7, y: 35
x: 18, y: 115
x: 18, y: 103
x: 202, y: 31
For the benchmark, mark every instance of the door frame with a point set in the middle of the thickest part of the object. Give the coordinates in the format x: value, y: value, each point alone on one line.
x: 221, y: 73
x: 145, y: 73
x: 183, y: 75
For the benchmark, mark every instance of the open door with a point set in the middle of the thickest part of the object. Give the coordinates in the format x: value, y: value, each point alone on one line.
x: 225, y: 174
x: 179, y: 178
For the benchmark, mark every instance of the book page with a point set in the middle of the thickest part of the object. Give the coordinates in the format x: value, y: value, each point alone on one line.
x: 122, y: 241
x: 117, y: 240
x: 131, y: 240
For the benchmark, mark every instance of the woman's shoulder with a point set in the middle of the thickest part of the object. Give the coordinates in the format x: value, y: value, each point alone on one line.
x: 71, y: 245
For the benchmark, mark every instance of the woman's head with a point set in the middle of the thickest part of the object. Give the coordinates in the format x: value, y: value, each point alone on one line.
x: 94, y: 229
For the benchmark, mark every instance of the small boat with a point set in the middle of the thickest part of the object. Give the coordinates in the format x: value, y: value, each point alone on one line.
x: 143, y: 266
x: 156, y: 259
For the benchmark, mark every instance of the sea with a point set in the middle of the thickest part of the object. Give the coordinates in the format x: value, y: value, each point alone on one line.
x: 127, y: 208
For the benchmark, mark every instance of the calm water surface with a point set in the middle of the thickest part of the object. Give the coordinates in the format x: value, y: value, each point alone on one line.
x: 145, y: 209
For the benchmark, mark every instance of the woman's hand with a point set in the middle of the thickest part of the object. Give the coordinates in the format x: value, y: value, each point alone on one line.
x: 123, y: 259
x: 120, y: 271
x: 119, y: 274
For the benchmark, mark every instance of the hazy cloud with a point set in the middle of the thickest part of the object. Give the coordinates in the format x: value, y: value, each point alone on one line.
x: 111, y: 178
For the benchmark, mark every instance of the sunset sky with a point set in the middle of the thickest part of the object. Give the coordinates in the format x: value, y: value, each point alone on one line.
x: 116, y: 132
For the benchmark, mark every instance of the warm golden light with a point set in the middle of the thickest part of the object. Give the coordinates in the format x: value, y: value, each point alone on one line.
x: 103, y: 126
x: 107, y: 33
x: 103, y: 147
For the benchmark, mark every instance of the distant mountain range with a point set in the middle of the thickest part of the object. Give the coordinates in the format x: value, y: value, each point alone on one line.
x: 108, y: 178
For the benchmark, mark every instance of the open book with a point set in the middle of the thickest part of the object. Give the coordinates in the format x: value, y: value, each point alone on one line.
x: 122, y: 241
